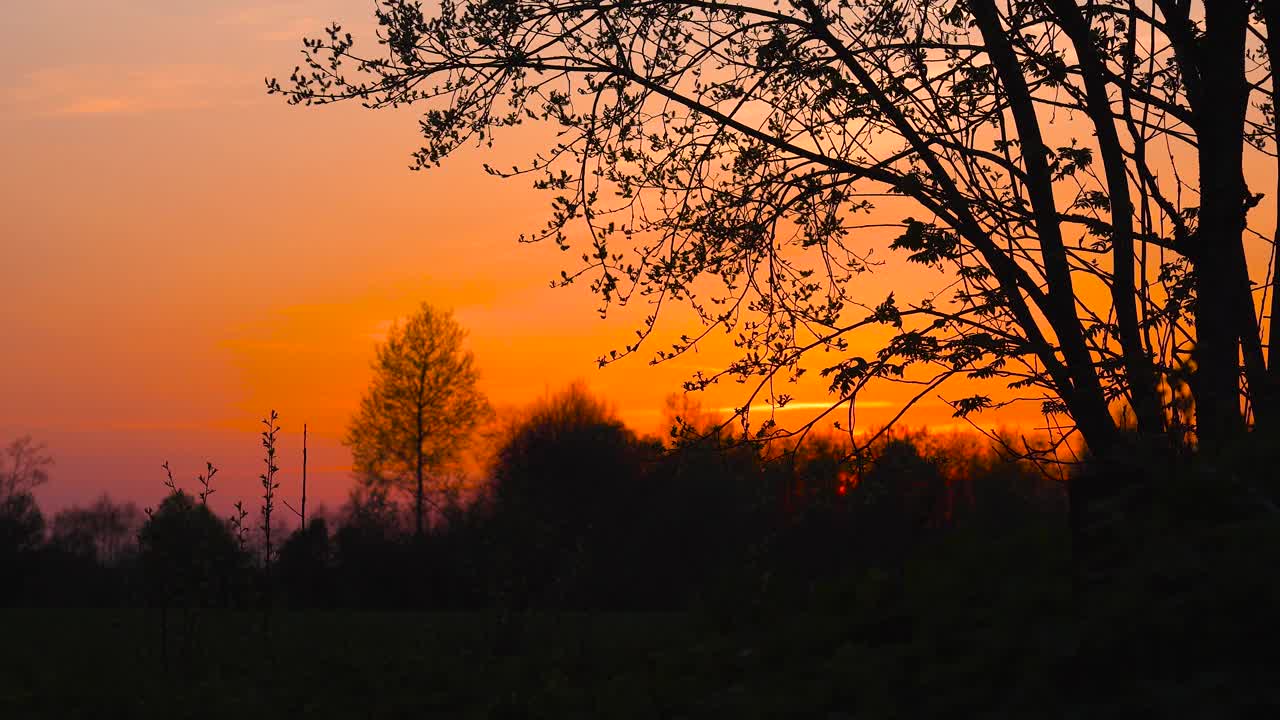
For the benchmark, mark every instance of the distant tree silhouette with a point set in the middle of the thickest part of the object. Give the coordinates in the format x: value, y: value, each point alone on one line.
x: 304, y: 564
x: 687, y: 422
x: 568, y: 502
x: 1002, y: 491
x: 24, y: 466
x: 103, y: 531
x: 420, y: 410
x: 908, y: 482
x: 22, y: 524
x: 710, y: 514
x: 372, y: 511
x: 188, y: 555
x: 367, y: 554
x: 22, y: 529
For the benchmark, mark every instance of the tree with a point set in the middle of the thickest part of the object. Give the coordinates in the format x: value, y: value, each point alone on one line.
x: 103, y: 531
x: 420, y: 409
x: 188, y: 555
x: 21, y: 537
x: 305, y: 560
x: 1075, y: 168
x: 569, y: 502
x: 24, y: 466
x: 366, y: 551
x: 21, y: 525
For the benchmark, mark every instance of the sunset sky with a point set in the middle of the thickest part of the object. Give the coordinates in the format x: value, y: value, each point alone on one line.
x: 182, y: 253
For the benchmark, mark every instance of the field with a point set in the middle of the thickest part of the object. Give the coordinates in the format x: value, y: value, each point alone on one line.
x: 996, y: 639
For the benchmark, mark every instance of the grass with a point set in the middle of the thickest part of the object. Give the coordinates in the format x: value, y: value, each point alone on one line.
x: 984, y: 630
x: 105, y: 663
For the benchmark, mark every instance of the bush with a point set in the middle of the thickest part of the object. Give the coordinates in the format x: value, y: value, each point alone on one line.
x: 188, y: 556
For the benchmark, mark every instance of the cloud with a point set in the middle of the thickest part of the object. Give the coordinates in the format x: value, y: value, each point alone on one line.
x: 765, y: 407
x: 94, y: 89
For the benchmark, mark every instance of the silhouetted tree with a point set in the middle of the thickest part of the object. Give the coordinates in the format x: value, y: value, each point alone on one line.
x: 1005, y: 492
x: 21, y: 535
x: 188, y: 555
x: 269, y: 487
x: 1076, y: 168
x: 568, y: 502
x: 24, y: 466
x: 304, y: 564
x: 103, y: 531
x: 710, y: 511
x: 899, y: 496
x: 21, y: 523
x: 369, y: 562
x: 420, y: 409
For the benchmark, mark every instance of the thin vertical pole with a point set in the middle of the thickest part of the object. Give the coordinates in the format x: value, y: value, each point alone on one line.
x: 303, y: 513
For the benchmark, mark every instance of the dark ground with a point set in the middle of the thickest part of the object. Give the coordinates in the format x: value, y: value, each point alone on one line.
x: 983, y: 630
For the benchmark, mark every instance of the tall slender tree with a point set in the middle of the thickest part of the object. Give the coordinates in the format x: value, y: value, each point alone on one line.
x: 420, y: 410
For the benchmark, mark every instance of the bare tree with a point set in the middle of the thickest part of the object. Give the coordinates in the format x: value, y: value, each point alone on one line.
x: 105, y: 529
x: 420, y: 410
x: 24, y: 466
x: 1076, y: 169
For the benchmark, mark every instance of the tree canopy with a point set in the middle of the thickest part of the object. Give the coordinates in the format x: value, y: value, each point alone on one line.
x: 1077, y: 169
x: 420, y: 410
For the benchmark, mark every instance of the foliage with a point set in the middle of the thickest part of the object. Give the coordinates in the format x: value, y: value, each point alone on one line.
x: 420, y: 410
x: 305, y: 563
x: 366, y: 547
x: 1076, y: 168
x: 566, y: 502
x: 188, y: 555
x: 24, y: 466
x: 986, y: 628
x: 21, y: 536
x: 269, y: 485
x: 21, y: 524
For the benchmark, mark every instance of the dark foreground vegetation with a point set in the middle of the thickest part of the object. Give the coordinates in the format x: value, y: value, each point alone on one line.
x: 601, y: 574
x: 1002, y: 636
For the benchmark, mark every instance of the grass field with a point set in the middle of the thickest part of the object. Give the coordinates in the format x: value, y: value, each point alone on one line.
x: 999, y: 638
x: 103, y: 664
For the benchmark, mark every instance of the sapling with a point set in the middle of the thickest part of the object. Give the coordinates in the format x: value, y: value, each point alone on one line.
x: 190, y: 614
x: 301, y: 511
x: 179, y: 578
x: 269, y: 486
x: 238, y: 528
x: 170, y: 483
x: 206, y: 482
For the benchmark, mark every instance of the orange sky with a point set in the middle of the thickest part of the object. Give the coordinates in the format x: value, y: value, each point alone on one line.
x: 182, y: 253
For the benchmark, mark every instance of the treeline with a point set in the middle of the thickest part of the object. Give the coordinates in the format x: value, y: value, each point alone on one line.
x: 578, y: 512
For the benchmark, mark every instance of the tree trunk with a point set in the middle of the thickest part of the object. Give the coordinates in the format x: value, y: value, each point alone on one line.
x: 418, y: 498
x: 1086, y: 399
x: 1138, y: 369
x: 1271, y: 16
x: 1222, y: 293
